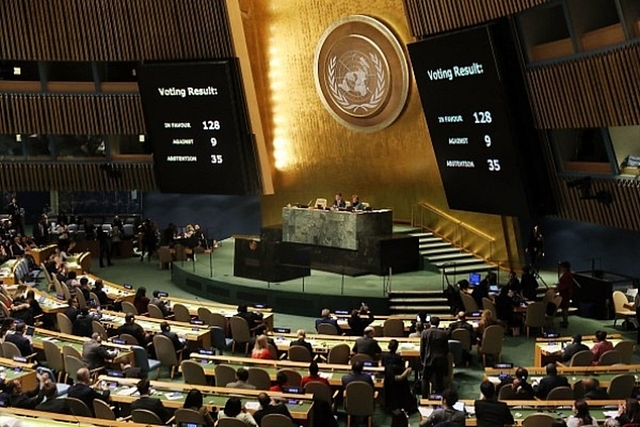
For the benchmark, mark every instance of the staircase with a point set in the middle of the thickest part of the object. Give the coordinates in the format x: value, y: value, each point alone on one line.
x: 413, y: 302
x: 441, y: 256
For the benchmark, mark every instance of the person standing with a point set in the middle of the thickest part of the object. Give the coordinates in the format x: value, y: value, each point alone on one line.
x: 16, y: 215
x: 434, y: 351
x: 104, y: 239
x: 565, y: 289
x: 41, y: 231
x: 535, y: 248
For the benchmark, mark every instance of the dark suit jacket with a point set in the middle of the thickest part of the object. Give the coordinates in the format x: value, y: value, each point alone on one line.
x: 572, y: 349
x: 356, y: 377
x: 492, y: 413
x: 152, y: 404
x: 94, y: 354
x: 87, y: 394
x: 26, y: 400
x: 462, y: 325
x: 179, y: 345
x: 271, y: 409
x: 303, y: 343
x: 330, y: 321
x: 72, y: 313
x: 368, y: 346
x: 58, y: 406
x: 548, y: 383
x: 358, y: 324
x: 434, y: 347
x: 24, y: 345
x: 133, y: 329
x: 83, y: 326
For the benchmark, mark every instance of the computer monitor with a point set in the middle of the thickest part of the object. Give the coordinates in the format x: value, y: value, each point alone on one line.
x: 474, y: 279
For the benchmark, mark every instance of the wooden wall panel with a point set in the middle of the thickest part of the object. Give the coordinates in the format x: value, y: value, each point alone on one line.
x: 71, y: 114
x: 114, y: 30
x: 428, y: 17
x: 600, y: 90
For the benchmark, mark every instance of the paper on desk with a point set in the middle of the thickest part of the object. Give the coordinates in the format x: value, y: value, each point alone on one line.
x: 610, y: 414
x: 425, y: 411
x: 127, y: 391
x: 252, y: 406
x: 326, y: 376
x: 471, y: 410
x: 459, y: 406
x: 173, y: 395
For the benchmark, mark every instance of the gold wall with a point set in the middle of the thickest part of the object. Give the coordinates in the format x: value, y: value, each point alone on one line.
x: 393, y: 168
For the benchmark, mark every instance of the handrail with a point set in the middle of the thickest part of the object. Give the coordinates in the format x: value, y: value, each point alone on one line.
x: 457, y: 238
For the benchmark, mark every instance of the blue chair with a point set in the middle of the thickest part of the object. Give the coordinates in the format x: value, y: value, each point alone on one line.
x: 143, y: 362
x: 61, y: 389
x: 218, y: 340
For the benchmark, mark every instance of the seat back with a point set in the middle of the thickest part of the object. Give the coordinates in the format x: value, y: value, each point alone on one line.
x: 298, y: 353
x: 155, y: 312
x: 193, y: 373
x: 320, y: 391
x: 64, y: 324
x: 141, y: 360
x: 619, y: 300
x: 99, y: 329
x: 393, y: 328
x: 276, y: 420
x: 259, y: 378
x: 82, y: 303
x: 463, y: 336
x: 230, y: 422
x: 470, y: 305
x: 129, y: 308
x: 94, y: 297
x: 103, y: 410
x: 129, y: 339
x: 225, y: 374
x: 273, y: 351
x: 339, y: 354
x: 165, y: 350
x: 506, y: 392
x: 65, y: 291
x: 217, y: 319
x: 204, y: 314
x: 293, y: 377
x: 218, y: 340
x: 53, y: 356
x: 67, y: 350
x: 538, y: 420
x: 492, y: 340
x: 455, y: 348
x: 145, y: 416
x: 239, y: 330
x: 610, y: 357
x: 560, y: 393
x: 10, y: 350
x: 327, y: 329
x: 582, y: 358
x: 78, y: 407
x: 181, y: 313
x: 360, y: 357
x: 71, y: 366
x: 189, y: 416
x: 535, y: 317
x: 578, y: 390
x: 487, y: 304
x: 164, y: 254
x: 626, y: 349
x: 621, y: 386
x: 358, y: 399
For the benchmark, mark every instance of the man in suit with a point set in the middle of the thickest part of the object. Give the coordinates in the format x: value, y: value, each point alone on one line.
x: 242, y: 375
x: 18, y: 398
x: 162, y: 305
x: 573, y: 348
x: 461, y: 323
x: 592, y: 389
x: 149, y: 403
x: 325, y: 317
x: 83, y: 325
x: 51, y: 404
x: 72, y: 312
x: 41, y: 231
x: 94, y: 354
x: 301, y: 335
x: 551, y: 381
x: 356, y: 375
x: 22, y: 342
x: 338, y: 201
x: 132, y: 328
x: 268, y: 407
x: 82, y: 389
x: 434, y: 351
x: 368, y: 344
x: 489, y: 411
x: 165, y: 329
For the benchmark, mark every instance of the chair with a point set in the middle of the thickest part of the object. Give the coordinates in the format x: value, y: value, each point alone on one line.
x: 10, y: 350
x: 79, y: 408
x: 218, y: 340
x: 582, y: 358
x: 293, y: 377
x: 259, y: 378
x: 550, y: 315
x: 61, y: 388
x: 94, y: 297
x: 230, y: 422
x: 225, y: 374
x: 240, y: 333
x: 492, y: 340
x: 560, y: 393
x: 129, y: 308
x: 393, y: 328
x: 621, y: 312
x: 538, y: 420
x: 67, y: 350
x: 327, y: 329
x: 339, y: 354
x: 181, y: 313
x: 142, y: 361
x: 610, y: 357
x: 535, y: 316
x: 185, y: 416
x: 204, y: 314
x: 621, y: 386
x: 463, y: 336
x: 578, y: 390
x: 82, y: 303
x: 165, y: 256
x: 273, y: 351
x: 166, y: 352
x: 358, y: 401
x: 144, y: 416
x: 193, y: 373
x: 276, y: 420
x: 99, y: 329
x: 506, y: 392
x: 64, y: 324
x: 54, y: 358
x: 71, y: 366
x: 129, y: 339
x: 320, y: 391
x: 626, y: 349
x: 455, y: 348
x: 360, y: 357
x: 470, y: 305
x: 102, y: 410
x: 298, y: 353
x: 155, y: 312
x: 217, y: 319
x: 487, y: 304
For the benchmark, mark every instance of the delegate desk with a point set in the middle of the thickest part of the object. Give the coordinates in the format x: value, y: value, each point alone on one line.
x: 31, y: 418
x: 548, y: 350
x: 333, y: 373
x: 48, y: 303
x: 378, y: 321
x: 25, y: 372
x: 80, y: 263
x: 334, y: 228
x: 408, y: 347
x: 40, y: 255
x: 123, y: 390
x: 113, y: 290
x: 8, y: 272
x: 63, y: 340
x: 198, y: 334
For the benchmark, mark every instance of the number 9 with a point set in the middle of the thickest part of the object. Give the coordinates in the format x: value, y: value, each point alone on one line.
x: 487, y: 140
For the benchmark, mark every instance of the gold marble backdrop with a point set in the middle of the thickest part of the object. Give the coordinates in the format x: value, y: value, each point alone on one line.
x: 314, y: 156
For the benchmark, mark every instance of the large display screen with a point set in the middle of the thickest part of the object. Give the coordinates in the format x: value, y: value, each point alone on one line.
x: 462, y: 80
x: 197, y: 125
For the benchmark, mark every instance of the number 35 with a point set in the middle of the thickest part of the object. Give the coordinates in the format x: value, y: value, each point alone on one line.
x: 494, y: 165
x: 216, y: 159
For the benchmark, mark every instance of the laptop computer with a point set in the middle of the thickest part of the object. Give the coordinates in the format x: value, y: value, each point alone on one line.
x: 474, y: 279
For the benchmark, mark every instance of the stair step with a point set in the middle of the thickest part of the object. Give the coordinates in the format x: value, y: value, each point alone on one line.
x: 419, y: 300
x: 442, y: 251
x: 430, y: 239
x: 436, y: 245
x: 415, y: 308
x: 422, y: 234
x: 469, y: 269
x: 422, y: 293
x: 451, y: 256
x: 459, y: 262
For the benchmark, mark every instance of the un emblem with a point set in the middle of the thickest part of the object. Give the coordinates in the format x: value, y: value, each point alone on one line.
x: 361, y: 73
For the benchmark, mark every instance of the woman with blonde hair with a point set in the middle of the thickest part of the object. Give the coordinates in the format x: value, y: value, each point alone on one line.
x: 486, y: 320
x: 261, y: 348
